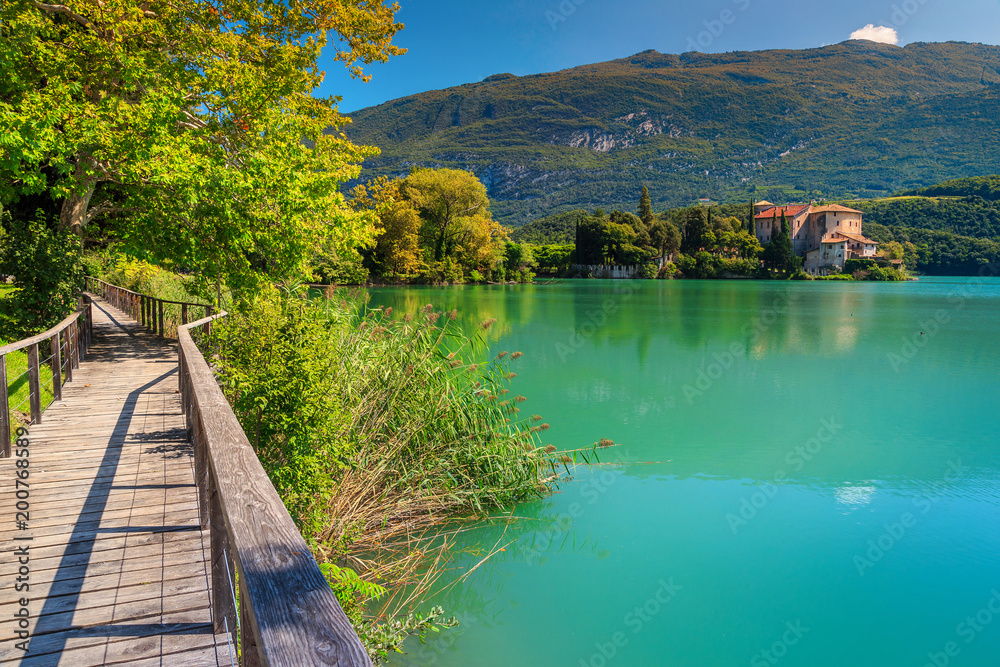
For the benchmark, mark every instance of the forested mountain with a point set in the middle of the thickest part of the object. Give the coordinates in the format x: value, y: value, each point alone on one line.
x: 857, y: 119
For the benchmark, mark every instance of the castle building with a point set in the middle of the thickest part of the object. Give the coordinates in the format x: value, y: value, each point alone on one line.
x: 826, y: 236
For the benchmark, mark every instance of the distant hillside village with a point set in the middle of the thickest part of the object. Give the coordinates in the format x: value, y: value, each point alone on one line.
x: 825, y: 237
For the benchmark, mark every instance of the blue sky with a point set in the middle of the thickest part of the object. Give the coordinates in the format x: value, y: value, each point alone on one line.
x: 452, y: 42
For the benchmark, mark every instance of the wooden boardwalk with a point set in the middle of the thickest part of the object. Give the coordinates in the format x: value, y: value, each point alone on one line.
x: 119, y: 570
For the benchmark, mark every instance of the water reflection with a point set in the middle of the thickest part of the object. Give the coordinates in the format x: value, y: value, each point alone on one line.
x: 717, y: 392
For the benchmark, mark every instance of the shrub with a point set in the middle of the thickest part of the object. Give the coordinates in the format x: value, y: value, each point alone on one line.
x: 668, y: 271
x: 648, y: 271
x: 48, y: 275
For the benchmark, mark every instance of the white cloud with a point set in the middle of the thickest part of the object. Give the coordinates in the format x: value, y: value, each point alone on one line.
x: 876, y: 33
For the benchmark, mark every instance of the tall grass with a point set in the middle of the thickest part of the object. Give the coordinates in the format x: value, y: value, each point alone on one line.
x: 377, y: 431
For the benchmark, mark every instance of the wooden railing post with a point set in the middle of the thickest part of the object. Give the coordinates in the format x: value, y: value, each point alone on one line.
x: 34, y: 385
x: 249, y: 657
x: 184, y: 313
x: 163, y: 332
x: 74, y: 349
x: 223, y: 582
x: 55, y: 363
x: 4, y: 409
x: 69, y: 355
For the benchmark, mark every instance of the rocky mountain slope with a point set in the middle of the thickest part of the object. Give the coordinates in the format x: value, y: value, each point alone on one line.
x: 856, y: 119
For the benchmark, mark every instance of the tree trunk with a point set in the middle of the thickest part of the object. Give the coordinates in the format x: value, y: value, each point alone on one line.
x: 74, y: 209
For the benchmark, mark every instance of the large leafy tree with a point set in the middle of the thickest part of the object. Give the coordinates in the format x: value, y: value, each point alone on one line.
x: 665, y: 237
x: 456, y: 216
x: 397, y: 249
x: 192, y: 123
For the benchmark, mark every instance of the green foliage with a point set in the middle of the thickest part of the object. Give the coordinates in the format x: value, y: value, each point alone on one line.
x: 555, y: 229
x: 645, y: 208
x: 648, y: 271
x: 188, y: 129
x: 855, y: 119
x: 983, y: 187
x: 374, y: 429
x: 342, y: 268
x: 320, y: 389
x: 778, y: 254
x: 47, y: 271
x: 553, y: 259
x: 384, y: 638
x: 871, y: 269
x: 436, y: 224
x: 967, y: 216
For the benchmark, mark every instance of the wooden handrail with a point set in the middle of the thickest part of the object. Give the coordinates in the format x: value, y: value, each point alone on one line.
x: 146, y: 309
x: 288, y: 614
x: 77, y: 339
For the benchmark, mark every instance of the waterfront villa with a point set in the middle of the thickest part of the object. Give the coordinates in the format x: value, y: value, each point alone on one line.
x: 826, y: 236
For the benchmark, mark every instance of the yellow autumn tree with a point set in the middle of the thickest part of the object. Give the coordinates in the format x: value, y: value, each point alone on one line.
x: 397, y: 247
x: 455, y: 213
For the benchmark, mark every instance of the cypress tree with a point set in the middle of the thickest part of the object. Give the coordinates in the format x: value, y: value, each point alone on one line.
x: 784, y: 255
x: 646, y: 208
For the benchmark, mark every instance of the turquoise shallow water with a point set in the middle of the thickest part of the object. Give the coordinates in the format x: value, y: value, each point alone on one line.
x: 804, y: 477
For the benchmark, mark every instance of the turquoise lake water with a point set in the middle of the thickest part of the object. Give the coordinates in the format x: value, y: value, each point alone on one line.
x: 809, y: 474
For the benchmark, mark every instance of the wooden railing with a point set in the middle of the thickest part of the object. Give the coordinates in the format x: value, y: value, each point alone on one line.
x: 145, y: 309
x: 67, y: 345
x: 268, y: 592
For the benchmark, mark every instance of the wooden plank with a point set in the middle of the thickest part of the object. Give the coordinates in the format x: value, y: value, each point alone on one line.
x: 120, y: 571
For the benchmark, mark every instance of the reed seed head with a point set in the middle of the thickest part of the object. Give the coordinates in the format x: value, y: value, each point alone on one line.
x: 605, y: 442
x: 550, y: 448
x: 517, y: 355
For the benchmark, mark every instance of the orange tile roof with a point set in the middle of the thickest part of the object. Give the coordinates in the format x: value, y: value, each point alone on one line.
x: 856, y: 237
x: 790, y: 211
x: 836, y: 208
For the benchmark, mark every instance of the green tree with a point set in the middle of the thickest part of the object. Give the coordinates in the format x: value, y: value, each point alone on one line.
x: 47, y: 272
x: 665, y: 237
x: 397, y: 248
x: 455, y: 210
x: 185, y: 122
x: 645, y: 210
x: 591, y: 239
x: 779, y: 254
x: 695, y: 226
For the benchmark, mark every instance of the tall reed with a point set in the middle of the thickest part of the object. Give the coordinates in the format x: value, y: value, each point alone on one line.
x: 379, y: 430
